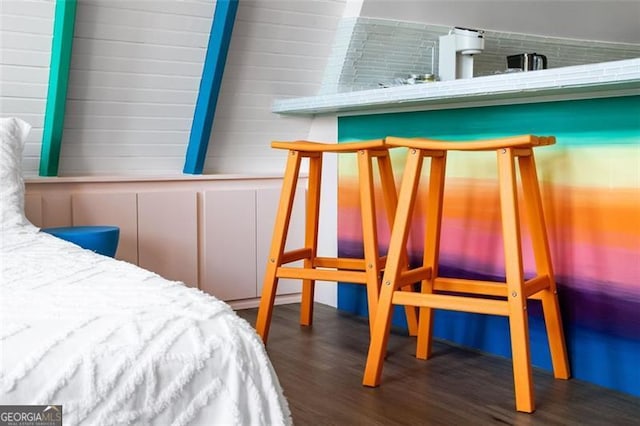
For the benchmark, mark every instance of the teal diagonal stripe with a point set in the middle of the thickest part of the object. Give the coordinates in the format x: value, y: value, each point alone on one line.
x: 64, y: 22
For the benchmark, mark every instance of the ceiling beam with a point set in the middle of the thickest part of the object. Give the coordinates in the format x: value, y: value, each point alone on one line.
x: 63, y: 27
x: 219, y: 39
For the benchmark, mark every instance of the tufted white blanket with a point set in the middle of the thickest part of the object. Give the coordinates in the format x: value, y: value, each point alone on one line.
x: 116, y: 344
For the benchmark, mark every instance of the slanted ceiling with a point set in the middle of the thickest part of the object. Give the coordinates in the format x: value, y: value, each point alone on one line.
x: 133, y: 83
x: 135, y: 74
x: 26, y: 30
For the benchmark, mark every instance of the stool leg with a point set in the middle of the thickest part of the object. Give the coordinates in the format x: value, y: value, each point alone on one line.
x: 311, y: 235
x: 397, y: 246
x: 387, y: 182
x: 517, y: 301
x: 278, y: 241
x: 550, y: 304
x: 431, y: 248
x: 369, y: 230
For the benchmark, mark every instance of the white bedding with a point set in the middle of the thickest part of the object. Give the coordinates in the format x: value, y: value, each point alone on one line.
x: 113, y: 343
x: 116, y: 344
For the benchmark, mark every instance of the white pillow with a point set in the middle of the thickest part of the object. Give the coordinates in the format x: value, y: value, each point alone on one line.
x: 13, y: 132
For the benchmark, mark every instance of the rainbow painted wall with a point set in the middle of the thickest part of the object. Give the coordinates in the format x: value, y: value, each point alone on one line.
x: 591, y: 193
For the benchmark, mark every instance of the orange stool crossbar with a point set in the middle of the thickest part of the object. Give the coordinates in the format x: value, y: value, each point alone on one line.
x: 508, y: 298
x: 366, y: 271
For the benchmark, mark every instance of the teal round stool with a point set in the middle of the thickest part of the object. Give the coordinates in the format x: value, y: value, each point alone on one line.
x: 100, y: 239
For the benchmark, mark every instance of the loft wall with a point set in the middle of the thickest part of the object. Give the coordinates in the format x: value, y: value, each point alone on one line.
x: 133, y: 82
x: 135, y: 74
x: 279, y: 49
x: 26, y: 29
x: 135, y: 98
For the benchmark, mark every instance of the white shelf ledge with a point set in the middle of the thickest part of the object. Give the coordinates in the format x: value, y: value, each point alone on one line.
x: 616, y: 78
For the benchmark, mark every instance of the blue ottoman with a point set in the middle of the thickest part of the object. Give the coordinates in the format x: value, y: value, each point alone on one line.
x: 100, y: 239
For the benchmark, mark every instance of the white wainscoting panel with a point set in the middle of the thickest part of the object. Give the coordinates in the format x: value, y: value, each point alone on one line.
x: 168, y: 234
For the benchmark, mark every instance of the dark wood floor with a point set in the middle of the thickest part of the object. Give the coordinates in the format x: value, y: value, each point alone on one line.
x: 320, y: 370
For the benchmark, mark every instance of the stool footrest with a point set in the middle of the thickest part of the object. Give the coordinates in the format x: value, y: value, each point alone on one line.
x: 461, y: 285
x: 295, y: 255
x: 329, y: 262
x: 322, y: 274
x: 489, y: 288
x: 413, y: 276
x: 452, y: 303
x: 339, y: 263
x: 536, y: 284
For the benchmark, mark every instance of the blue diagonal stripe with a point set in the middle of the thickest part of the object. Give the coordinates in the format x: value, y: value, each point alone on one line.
x: 219, y: 40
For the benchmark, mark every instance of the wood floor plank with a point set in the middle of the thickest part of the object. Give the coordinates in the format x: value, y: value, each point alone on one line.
x: 320, y: 369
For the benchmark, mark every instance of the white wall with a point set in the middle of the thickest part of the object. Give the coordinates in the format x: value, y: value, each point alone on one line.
x: 134, y: 78
x: 26, y: 29
x: 135, y: 74
x: 279, y: 49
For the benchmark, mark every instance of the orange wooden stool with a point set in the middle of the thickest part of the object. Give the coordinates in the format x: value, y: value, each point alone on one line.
x: 367, y: 271
x: 472, y: 295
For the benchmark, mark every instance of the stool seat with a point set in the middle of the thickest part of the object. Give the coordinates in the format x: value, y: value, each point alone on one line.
x: 99, y: 239
x: 508, y: 298
x: 522, y: 141
x: 308, y: 146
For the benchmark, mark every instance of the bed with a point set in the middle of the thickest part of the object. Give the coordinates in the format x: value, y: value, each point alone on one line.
x: 113, y: 343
